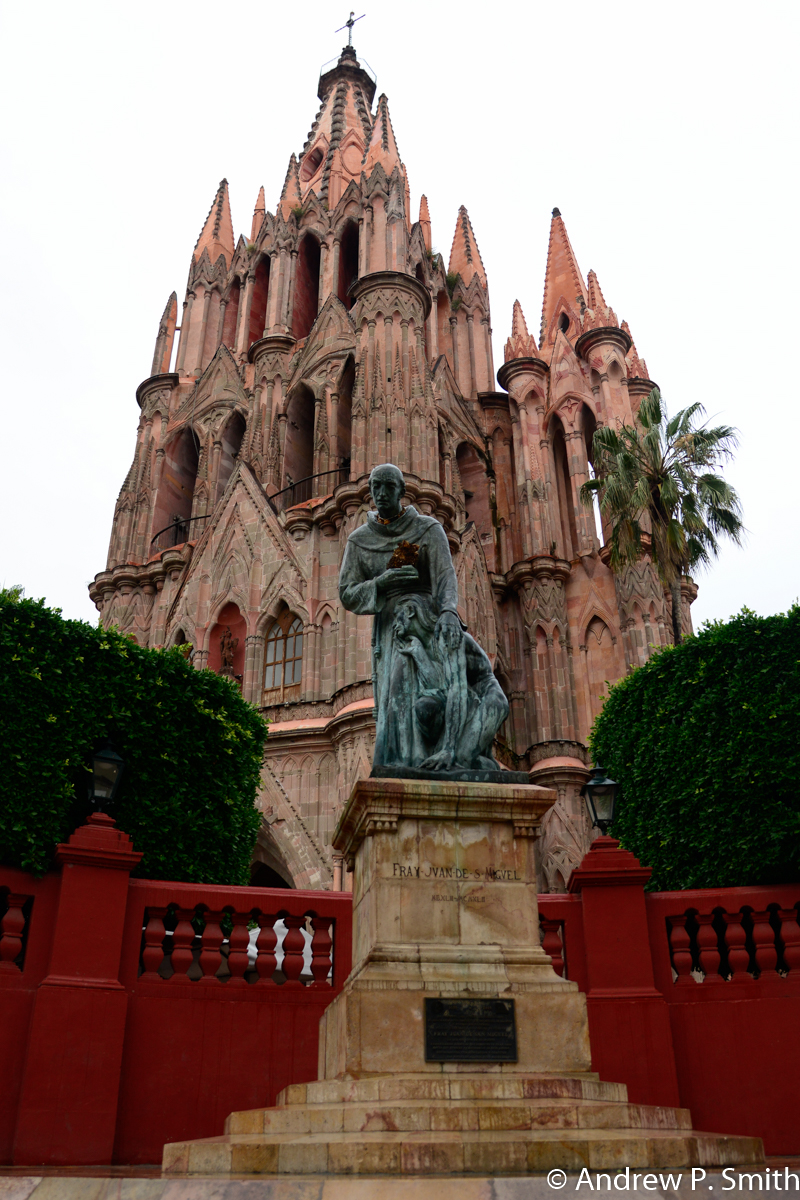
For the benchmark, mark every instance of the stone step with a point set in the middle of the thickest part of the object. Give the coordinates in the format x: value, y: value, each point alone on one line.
x: 452, y: 1086
x: 444, y: 1115
x: 501, y: 1152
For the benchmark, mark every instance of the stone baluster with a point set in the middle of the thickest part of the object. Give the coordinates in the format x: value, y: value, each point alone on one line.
x: 267, y: 962
x: 211, y: 951
x: 736, y: 941
x: 764, y: 938
x: 12, y: 927
x: 293, y: 946
x: 707, y: 945
x: 552, y: 943
x: 181, y: 957
x: 154, y: 933
x: 790, y: 936
x: 321, y: 945
x: 238, y: 943
x: 680, y: 949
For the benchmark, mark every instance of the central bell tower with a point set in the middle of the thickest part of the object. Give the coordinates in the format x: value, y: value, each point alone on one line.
x: 332, y: 337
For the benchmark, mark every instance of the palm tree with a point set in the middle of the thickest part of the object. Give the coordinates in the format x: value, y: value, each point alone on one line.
x: 657, y: 478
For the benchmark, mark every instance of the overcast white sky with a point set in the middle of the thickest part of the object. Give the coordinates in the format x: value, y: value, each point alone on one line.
x: 665, y: 133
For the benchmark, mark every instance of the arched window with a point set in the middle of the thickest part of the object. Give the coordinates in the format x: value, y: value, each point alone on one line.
x: 298, y: 461
x: 176, y: 490
x: 600, y: 665
x: 232, y: 436
x: 258, y: 307
x: 589, y: 428
x: 312, y: 163
x: 443, y: 325
x: 566, y: 507
x: 231, y: 316
x: 306, y: 287
x: 475, y: 484
x: 344, y: 414
x: 283, y: 658
x: 442, y: 462
x: 420, y: 276
x: 348, y: 263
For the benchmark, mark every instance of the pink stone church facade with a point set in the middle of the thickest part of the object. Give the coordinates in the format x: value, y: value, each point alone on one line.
x: 329, y: 340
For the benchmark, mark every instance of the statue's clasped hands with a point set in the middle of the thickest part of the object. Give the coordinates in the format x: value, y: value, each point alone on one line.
x: 395, y: 576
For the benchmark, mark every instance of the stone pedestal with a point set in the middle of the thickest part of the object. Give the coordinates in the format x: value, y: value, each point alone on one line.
x: 444, y: 904
x: 445, y: 907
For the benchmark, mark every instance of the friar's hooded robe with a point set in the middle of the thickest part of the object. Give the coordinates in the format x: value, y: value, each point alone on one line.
x: 367, y: 553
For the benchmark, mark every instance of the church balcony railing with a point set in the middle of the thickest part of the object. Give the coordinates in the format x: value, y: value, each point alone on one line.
x: 176, y: 533
x: 307, y: 489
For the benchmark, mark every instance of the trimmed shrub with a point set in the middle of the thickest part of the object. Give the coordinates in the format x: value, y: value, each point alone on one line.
x: 192, y: 748
x: 705, y: 742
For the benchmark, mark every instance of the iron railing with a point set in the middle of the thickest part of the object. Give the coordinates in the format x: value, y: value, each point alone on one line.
x: 303, y: 490
x: 174, y: 534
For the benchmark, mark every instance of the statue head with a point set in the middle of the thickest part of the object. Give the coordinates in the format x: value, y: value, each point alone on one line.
x: 413, y: 618
x: 387, y: 486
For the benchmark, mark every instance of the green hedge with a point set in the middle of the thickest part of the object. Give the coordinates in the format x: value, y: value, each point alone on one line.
x: 705, y: 741
x: 192, y: 747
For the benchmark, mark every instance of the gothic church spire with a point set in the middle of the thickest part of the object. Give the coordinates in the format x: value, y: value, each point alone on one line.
x: 563, y: 284
x: 216, y: 235
x: 465, y: 258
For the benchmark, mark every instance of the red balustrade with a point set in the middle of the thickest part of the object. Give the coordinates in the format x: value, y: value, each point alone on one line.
x: 183, y: 1002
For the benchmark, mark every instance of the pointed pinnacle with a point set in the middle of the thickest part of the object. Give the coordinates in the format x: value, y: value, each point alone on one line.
x: 563, y: 280
x: 521, y: 344
x: 259, y: 212
x: 290, y: 195
x: 216, y: 236
x: 382, y: 146
x: 519, y: 327
x: 425, y: 221
x: 465, y: 258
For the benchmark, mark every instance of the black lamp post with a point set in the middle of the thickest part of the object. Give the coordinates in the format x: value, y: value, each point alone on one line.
x: 107, y: 768
x: 601, y: 795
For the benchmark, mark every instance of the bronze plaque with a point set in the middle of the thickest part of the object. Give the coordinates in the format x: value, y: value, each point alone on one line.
x: 470, y: 1030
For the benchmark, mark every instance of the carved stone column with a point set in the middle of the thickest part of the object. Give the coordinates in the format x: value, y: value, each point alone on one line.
x: 251, y: 684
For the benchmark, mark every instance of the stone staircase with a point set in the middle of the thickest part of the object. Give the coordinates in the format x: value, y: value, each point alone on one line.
x: 456, y: 1123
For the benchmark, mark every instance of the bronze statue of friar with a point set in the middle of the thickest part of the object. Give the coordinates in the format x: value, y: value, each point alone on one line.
x: 438, y: 703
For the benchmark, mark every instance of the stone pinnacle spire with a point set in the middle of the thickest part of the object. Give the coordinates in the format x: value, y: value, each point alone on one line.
x: 382, y: 146
x: 259, y: 212
x: 290, y: 195
x: 216, y: 235
x: 563, y: 282
x: 521, y: 344
x: 425, y: 221
x: 465, y: 258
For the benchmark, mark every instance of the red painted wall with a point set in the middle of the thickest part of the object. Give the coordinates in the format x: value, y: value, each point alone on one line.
x: 123, y: 1025
x: 118, y: 1034
x: 726, y: 1048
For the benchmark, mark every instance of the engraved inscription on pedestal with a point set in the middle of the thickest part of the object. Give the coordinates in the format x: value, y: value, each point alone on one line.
x: 470, y: 1031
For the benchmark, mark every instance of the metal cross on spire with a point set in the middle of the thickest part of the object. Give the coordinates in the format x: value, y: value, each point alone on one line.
x: 348, y: 25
